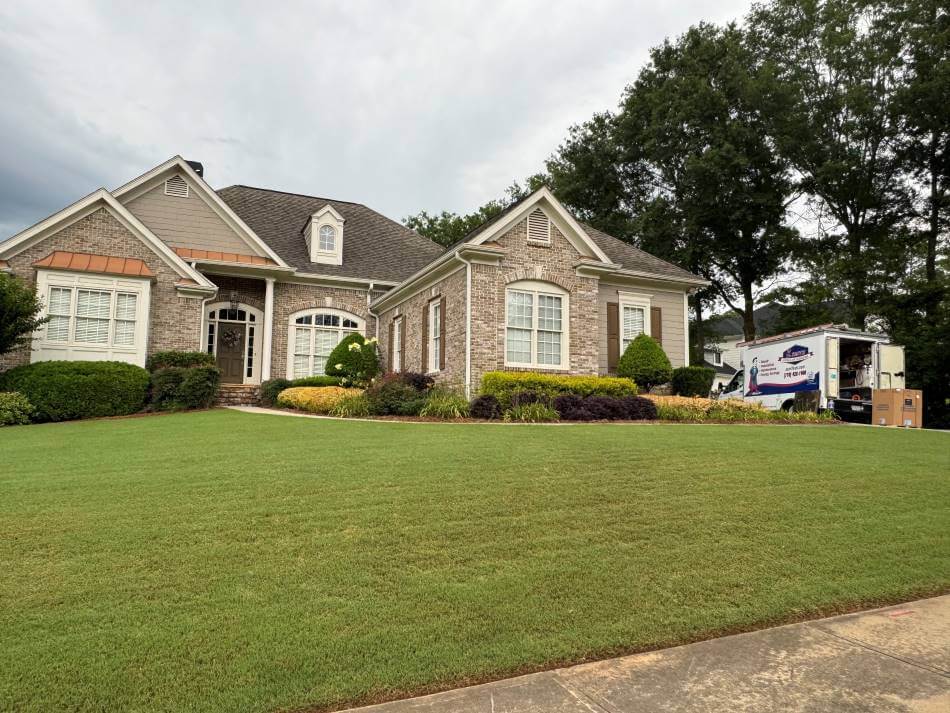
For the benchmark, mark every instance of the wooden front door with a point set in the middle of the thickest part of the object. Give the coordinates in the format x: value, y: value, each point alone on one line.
x: 231, y: 348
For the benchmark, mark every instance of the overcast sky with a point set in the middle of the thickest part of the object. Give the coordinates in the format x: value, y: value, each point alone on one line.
x: 402, y: 106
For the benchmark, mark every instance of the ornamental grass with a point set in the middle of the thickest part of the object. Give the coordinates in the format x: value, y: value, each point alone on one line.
x: 315, y: 399
x: 700, y: 410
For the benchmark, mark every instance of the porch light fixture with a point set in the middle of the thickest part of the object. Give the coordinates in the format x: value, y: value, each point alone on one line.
x: 233, y: 297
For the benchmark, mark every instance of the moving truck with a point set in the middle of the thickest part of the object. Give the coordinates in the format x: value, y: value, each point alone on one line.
x: 842, y: 368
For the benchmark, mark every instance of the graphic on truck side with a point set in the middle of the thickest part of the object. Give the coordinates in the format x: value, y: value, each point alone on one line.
x: 788, y: 371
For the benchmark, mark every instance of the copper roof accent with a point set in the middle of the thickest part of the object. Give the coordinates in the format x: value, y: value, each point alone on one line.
x: 196, y: 254
x: 4, y: 265
x: 186, y: 282
x: 103, y: 264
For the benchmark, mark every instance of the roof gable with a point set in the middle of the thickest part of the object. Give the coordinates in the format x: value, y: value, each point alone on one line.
x: 102, y: 199
x: 177, y: 166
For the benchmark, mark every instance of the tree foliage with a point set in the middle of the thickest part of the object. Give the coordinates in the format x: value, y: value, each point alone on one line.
x: 19, y: 313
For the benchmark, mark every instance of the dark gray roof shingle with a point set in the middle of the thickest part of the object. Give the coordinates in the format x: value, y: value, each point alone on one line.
x: 374, y: 247
x: 632, y: 258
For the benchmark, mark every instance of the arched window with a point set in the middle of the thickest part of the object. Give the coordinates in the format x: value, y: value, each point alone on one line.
x: 536, y: 325
x: 313, y: 334
x: 327, y: 238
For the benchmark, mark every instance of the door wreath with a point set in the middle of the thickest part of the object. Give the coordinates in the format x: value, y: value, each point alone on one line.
x: 230, y: 337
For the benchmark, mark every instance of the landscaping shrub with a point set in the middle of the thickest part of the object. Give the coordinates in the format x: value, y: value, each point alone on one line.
x: 271, y: 389
x: 693, y: 380
x: 485, y: 406
x: 356, y: 406
x: 184, y: 360
x: 314, y: 399
x: 420, y: 382
x: 645, y: 362
x: 700, y: 410
x: 604, y: 408
x: 15, y: 409
x: 504, y: 384
x: 392, y: 396
x: 523, y: 398
x: 200, y: 387
x: 164, y: 387
x: 445, y: 404
x: 66, y: 390
x: 354, y: 360
x: 536, y: 412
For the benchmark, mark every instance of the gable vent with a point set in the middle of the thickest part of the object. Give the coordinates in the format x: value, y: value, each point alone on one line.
x: 539, y: 227
x: 176, y: 186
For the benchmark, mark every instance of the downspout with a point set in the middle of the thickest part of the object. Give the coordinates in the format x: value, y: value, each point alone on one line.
x: 369, y: 301
x: 468, y: 325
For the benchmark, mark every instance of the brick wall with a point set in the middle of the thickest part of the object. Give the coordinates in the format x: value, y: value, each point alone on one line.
x: 293, y: 297
x: 174, y: 320
x: 412, y: 309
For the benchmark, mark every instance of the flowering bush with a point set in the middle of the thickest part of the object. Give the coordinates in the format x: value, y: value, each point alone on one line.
x: 354, y: 360
x: 315, y: 399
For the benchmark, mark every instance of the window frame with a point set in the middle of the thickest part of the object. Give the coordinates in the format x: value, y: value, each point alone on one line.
x: 434, y: 315
x: 312, y: 312
x: 536, y: 289
x: 332, y: 249
x: 72, y: 348
x: 396, y: 346
x: 634, y: 300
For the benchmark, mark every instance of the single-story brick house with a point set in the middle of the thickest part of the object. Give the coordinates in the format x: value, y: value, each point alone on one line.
x: 270, y: 281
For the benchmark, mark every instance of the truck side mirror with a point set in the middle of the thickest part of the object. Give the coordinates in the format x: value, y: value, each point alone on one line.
x: 722, y: 387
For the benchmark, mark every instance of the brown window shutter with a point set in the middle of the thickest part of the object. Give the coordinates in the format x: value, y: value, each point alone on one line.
x: 402, y: 344
x: 392, y: 335
x: 442, y: 333
x: 425, y: 338
x: 613, y: 335
x: 656, y: 324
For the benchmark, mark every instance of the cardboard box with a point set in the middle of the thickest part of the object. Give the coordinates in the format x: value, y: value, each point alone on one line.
x: 897, y: 407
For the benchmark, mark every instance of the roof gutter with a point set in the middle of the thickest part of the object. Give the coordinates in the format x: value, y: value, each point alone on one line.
x: 698, y: 281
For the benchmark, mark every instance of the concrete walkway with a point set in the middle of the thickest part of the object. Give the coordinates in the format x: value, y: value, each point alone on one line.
x: 892, y: 659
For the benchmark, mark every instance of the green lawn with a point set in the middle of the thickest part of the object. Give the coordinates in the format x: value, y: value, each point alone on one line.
x: 221, y: 561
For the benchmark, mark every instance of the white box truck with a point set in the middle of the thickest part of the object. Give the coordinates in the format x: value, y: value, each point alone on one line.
x: 844, y: 366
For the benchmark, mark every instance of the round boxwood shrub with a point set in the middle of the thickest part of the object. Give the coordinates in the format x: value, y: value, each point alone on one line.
x: 485, y: 406
x: 200, y: 386
x: 645, y: 362
x: 66, y: 390
x: 354, y: 360
x: 693, y: 381
x: 15, y: 409
x: 165, y: 385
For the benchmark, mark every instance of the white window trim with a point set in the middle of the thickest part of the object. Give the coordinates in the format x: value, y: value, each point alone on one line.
x: 433, y: 365
x: 255, y: 349
x: 634, y: 299
x: 536, y: 288
x: 397, y: 345
x: 292, y: 325
x: 72, y: 350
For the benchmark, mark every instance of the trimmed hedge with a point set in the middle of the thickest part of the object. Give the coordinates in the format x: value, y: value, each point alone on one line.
x: 315, y: 399
x: 693, y: 380
x: 505, y: 384
x: 645, y: 362
x: 271, y: 388
x: 604, y: 408
x: 67, y: 390
x: 176, y: 387
x: 15, y: 409
x: 183, y: 360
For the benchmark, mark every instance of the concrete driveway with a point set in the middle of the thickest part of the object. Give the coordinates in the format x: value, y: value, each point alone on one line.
x: 892, y: 659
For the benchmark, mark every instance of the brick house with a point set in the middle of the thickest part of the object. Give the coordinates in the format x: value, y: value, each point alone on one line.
x: 270, y: 281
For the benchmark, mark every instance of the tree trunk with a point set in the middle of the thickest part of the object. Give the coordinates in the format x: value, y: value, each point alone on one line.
x: 699, y: 346
x: 857, y: 280
x: 934, y: 227
x: 748, y: 314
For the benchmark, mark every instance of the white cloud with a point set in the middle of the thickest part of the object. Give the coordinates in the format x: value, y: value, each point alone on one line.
x: 401, y: 105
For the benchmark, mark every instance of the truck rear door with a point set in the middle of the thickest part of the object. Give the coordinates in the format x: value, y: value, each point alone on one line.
x: 890, y: 366
x: 832, y: 362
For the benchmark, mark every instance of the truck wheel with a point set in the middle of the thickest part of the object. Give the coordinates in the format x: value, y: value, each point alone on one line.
x: 788, y: 405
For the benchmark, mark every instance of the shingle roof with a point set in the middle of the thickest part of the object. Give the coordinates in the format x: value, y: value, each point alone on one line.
x: 374, y: 247
x: 101, y: 264
x: 632, y: 258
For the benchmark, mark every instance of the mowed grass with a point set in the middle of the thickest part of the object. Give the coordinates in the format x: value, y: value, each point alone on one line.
x: 221, y: 561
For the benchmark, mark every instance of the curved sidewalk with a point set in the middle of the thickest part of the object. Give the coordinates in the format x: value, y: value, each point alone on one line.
x: 892, y: 659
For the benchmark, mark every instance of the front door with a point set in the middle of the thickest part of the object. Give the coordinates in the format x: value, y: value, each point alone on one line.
x: 230, y: 357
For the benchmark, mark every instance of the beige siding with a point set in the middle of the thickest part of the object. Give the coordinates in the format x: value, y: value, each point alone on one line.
x: 186, y: 222
x: 670, y: 301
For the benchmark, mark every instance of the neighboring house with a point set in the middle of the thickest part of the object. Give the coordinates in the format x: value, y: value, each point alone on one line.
x: 714, y: 359
x: 269, y: 282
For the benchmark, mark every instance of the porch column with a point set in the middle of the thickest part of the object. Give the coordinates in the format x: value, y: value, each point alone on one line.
x: 268, y: 326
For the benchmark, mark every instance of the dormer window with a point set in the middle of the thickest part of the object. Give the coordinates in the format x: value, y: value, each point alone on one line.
x: 324, y: 235
x: 327, y: 239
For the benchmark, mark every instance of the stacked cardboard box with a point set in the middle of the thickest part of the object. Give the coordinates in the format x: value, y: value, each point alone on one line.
x: 897, y: 407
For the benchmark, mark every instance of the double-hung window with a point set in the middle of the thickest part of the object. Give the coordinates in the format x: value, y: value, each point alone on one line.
x: 91, y: 316
x: 536, y: 325
x: 634, y: 317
